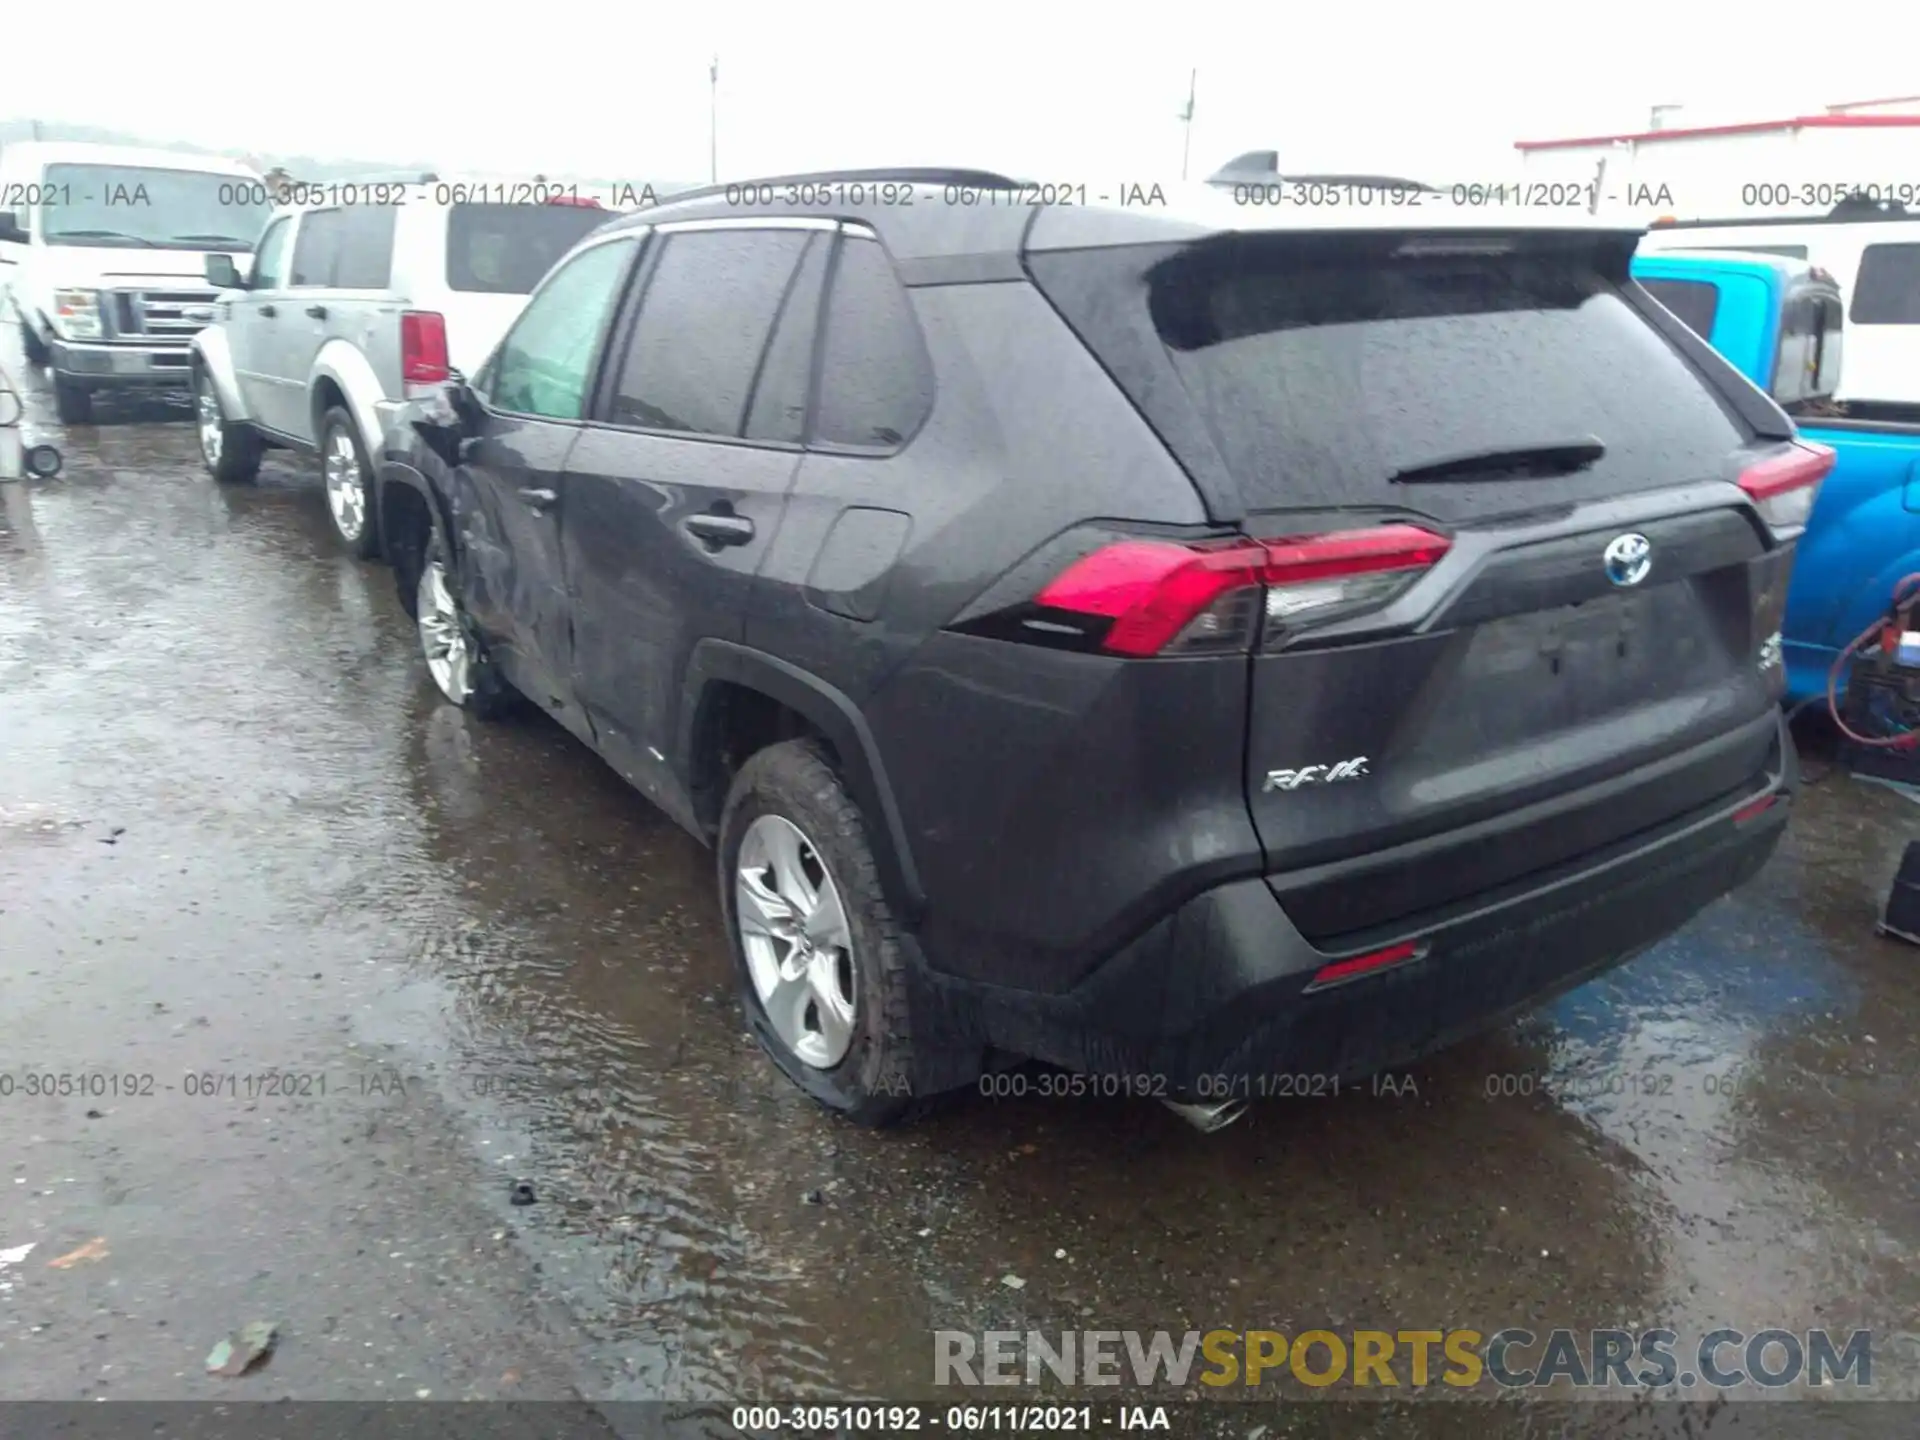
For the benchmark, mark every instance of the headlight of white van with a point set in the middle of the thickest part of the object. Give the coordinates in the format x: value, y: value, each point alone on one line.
x: 76, y: 314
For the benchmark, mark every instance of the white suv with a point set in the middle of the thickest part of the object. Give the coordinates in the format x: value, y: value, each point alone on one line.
x: 358, y: 300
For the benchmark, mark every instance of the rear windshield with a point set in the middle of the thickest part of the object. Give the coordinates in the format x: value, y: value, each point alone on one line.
x: 506, y: 249
x: 1325, y: 366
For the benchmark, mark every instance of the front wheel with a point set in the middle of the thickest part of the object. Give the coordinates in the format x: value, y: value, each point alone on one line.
x: 821, y: 974
x: 456, y: 658
x: 343, y: 460
x: 32, y: 346
x: 230, y: 452
x: 72, y: 402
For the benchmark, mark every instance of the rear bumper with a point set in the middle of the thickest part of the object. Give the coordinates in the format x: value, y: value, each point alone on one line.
x: 109, y: 367
x: 1218, y: 990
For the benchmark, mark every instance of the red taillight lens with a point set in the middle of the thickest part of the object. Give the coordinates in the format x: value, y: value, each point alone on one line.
x: 423, y: 347
x: 1163, y: 597
x: 585, y: 202
x: 1784, y: 488
x: 1364, y: 964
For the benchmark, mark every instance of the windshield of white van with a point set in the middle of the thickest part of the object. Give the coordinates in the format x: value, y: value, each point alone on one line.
x: 149, y: 207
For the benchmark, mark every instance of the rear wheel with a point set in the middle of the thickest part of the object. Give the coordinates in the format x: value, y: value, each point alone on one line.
x: 456, y: 658
x: 32, y: 345
x: 231, y: 452
x: 72, y: 402
x: 343, y: 461
x: 821, y: 974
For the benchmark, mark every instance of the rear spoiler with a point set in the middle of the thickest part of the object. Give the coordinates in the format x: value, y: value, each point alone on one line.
x: 1257, y: 166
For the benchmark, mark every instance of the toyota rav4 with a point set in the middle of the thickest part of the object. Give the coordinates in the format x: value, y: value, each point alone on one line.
x: 1179, y: 643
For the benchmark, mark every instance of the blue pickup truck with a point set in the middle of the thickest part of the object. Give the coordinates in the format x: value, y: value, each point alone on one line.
x: 1779, y: 321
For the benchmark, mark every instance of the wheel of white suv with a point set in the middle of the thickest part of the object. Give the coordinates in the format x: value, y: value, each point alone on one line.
x: 349, y: 478
x: 456, y: 658
x: 72, y: 401
x: 230, y: 452
x: 816, y: 951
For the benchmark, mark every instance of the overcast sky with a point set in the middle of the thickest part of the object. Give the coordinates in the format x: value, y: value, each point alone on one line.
x: 1067, y: 93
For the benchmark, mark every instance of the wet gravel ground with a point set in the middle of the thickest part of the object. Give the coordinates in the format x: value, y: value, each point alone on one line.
x: 355, y: 964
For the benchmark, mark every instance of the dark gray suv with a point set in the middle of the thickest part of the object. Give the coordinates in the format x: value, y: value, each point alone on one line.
x: 1192, y: 643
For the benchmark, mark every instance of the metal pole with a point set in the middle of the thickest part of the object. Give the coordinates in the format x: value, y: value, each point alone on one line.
x: 713, y: 122
x: 1186, y: 118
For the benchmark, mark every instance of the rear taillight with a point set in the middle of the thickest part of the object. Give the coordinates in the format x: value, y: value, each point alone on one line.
x: 423, y: 347
x: 585, y: 202
x: 1784, y: 488
x: 1166, y: 598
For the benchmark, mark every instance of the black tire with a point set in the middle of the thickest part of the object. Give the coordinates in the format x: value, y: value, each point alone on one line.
x: 32, y: 345
x: 366, y: 544
x: 488, y: 695
x: 239, y: 446
x: 72, y: 402
x: 796, y: 781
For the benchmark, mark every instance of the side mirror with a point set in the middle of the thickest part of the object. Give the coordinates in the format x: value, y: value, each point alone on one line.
x: 10, y: 227
x: 223, y: 274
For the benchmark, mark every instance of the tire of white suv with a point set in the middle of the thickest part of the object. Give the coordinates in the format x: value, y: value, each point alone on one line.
x: 230, y: 452
x: 72, y: 402
x: 343, y: 464
x: 32, y: 346
x: 822, y: 978
x: 462, y: 670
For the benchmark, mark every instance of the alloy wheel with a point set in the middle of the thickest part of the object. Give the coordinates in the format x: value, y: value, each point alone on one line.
x: 443, y: 636
x: 207, y: 415
x: 346, y: 487
x: 798, y: 946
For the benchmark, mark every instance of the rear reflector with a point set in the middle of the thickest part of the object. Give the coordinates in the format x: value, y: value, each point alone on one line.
x: 1364, y: 964
x: 1164, y: 597
x: 1784, y: 488
x: 1757, y: 808
x: 423, y: 347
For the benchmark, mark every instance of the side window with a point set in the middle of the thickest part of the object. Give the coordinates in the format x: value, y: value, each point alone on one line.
x: 1887, y: 289
x: 270, y: 256
x: 317, y: 247
x: 703, y: 327
x: 778, y: 409
x: 876, y: 382
x: 366, y: 248
x: 545, y: 364
x: 1694, y: 302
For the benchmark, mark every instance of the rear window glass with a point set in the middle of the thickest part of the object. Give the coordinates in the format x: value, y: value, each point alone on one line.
x: 1324, y: 366
x: 506, y: 249
x: 1887, y: 289
x: 1695, y: 302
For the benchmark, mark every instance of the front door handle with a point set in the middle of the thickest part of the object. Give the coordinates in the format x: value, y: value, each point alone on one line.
x: 718, y: 530
x: 537, y: 500
x: 268, y: 311
x: 316, y: 312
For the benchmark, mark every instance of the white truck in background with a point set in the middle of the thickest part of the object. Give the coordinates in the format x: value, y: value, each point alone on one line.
x: 1839, y: 189
x: 103, y: 257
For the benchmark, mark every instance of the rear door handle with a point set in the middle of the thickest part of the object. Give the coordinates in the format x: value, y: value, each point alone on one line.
x: 537, y: 500
x: 717, y: 530
x: 268, y: 311
x: 316, y: 312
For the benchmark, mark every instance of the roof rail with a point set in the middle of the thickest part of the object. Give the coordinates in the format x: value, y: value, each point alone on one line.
x: 904, y: 174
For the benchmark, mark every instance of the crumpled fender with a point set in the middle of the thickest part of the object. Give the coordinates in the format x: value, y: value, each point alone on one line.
x: 214, y: 359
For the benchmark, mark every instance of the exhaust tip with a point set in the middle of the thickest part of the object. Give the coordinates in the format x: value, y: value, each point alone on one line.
x: 1209, y: 1116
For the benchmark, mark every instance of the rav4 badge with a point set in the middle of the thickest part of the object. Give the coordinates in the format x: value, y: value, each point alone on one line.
x: 1315, y: 774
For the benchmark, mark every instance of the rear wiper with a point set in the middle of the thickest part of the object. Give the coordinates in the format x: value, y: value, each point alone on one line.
x: 1511, y: 462
x: 102, y: 235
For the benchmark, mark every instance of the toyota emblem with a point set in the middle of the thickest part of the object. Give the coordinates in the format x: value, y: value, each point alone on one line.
x: 1628, y: 559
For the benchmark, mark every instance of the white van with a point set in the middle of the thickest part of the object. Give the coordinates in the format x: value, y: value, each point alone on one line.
x: 103, y: 257
x: 1873, y: 252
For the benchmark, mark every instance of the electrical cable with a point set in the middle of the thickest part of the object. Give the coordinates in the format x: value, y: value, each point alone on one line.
x: 1906, y: 739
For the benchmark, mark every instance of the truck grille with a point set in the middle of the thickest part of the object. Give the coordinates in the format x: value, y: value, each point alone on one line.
x: 161, y: 314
